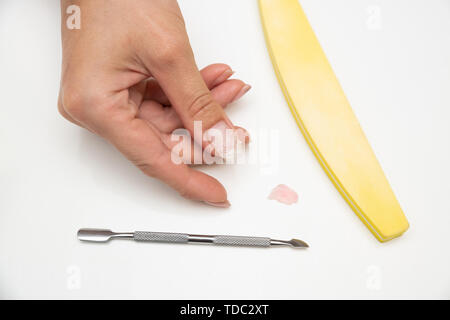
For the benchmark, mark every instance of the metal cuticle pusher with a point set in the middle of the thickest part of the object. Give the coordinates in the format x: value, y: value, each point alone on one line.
x: 104, y: 235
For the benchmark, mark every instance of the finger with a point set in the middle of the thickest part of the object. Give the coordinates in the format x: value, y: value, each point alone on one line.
x: 213, y: 75
x: 166, y: 119
x: 190, y: 152
x: 114, y: 118
x: 141, y: 143
x: 230, y: 91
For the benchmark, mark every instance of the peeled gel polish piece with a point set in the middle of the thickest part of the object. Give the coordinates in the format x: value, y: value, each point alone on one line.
x: 282, y: 193
x: 224, y: 140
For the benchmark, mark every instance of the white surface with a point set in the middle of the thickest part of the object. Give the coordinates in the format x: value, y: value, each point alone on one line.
x: 55, y: 177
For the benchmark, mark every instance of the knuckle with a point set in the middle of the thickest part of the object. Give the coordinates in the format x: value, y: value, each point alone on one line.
x: 81, y: 104
x: 150, y: 166
x: 145, y: 167
x: 171, y: 52
x: 72, y: 103
x: 201, y: 105
x: 183, y: 190
x: 61, y: 110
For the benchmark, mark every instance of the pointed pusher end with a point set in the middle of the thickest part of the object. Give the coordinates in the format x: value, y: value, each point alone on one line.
x: 298, y: 243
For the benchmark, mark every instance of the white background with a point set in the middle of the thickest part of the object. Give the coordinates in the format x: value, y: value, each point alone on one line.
x: 56, y: 178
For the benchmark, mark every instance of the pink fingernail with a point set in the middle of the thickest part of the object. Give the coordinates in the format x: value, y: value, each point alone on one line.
x: 243, y: 91
x: 224, y: 204
x: 224, y: 139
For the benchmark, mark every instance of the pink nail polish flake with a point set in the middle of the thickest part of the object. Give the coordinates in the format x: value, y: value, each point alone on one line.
x: 282, y: 193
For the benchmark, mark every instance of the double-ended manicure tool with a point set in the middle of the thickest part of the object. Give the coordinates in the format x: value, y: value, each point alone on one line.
x: 104, y: 235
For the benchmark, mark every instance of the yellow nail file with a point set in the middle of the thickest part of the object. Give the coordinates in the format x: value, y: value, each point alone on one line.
x: 326, y: 119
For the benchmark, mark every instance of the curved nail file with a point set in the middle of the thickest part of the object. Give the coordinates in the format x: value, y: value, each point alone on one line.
x: 326, y: 119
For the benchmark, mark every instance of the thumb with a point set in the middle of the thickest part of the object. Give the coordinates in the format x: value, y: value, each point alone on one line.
x: 188, y: 94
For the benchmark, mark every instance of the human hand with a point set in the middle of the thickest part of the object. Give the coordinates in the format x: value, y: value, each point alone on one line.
x: 129, y: 75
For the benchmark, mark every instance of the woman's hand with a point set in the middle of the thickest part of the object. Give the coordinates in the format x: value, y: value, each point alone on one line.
x: 129, y: 75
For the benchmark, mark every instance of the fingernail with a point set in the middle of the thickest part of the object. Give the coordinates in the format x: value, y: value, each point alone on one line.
x: 243, y: 135
x: 224, y: 76
x: 224, y: 204
x: 224, y: 139
x: 243, y: 91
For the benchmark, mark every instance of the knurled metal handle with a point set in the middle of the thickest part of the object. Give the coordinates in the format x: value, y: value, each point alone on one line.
x: 161, y: 237
x: 242, y: 241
